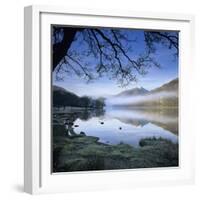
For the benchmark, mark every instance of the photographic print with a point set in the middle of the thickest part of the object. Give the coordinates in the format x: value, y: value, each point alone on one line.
x: 114, y: 98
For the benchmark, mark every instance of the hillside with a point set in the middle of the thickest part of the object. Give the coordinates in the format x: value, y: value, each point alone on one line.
x: 64, y: 98
x: 167, y: 93
x: 168, y: 87
x: 134, y: 92
x: 163, y: 96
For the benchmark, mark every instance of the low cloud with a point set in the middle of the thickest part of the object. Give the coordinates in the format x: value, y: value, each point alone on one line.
x: 126, y: 100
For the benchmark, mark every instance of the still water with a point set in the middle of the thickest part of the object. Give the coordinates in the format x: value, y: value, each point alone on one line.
x: 114, y: 125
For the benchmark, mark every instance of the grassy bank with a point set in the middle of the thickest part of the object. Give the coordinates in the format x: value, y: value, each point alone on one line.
x: 83, y: 153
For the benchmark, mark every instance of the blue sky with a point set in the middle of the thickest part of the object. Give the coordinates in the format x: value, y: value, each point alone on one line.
x: 105, y: 87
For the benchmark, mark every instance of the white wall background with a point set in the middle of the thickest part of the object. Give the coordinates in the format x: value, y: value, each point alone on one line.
x: 11, y: 99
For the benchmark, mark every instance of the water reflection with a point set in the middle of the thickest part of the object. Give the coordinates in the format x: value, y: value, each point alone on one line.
x: 167, y: 118
x: 115, y: 126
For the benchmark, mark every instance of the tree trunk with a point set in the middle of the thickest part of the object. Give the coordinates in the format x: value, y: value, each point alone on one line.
x: 60, y: 49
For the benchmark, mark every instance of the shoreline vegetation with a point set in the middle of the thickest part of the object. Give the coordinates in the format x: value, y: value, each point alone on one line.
x: 79, y: 152
x: 110, y: 108
x: 74, y: 151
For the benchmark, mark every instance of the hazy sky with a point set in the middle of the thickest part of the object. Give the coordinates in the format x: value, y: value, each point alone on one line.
x: 104, y: 87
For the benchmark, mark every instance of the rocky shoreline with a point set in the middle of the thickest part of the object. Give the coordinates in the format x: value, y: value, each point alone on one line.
x: 85, y: 153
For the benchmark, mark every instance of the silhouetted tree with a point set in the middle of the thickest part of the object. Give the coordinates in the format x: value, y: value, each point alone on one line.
x: 110, y: 50
x: 169, y: 39
x: 64, y: 98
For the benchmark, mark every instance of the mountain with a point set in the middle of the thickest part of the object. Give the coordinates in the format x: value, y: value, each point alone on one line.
x: 163, y: 96
x: 171, y: 86
x: 63, y: 98
x: 58, y: 89
x: 167, y: 94
x: 133, y: 92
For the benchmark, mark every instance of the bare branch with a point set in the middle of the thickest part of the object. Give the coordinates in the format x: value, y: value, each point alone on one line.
x: 81, y: 66
x: 106, y: 52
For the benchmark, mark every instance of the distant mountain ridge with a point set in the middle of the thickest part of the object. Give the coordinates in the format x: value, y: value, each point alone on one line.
x: 167, y: 87
x: 133, y: 92
x: 163, y: 96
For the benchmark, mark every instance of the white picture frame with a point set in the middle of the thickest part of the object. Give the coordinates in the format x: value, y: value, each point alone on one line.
x: 37, y: 138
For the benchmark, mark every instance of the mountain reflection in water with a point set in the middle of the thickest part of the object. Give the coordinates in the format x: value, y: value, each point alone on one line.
x: 128, y: 126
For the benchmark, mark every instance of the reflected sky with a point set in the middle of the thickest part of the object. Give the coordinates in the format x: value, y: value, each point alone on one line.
x: 122, y: 126
x: 110, y: 133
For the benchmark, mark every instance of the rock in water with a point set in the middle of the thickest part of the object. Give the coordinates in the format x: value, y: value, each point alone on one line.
x: 82, y: 133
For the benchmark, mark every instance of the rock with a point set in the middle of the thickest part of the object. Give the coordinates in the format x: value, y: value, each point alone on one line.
x: 120, y: 128
x: 76, y: 125
x: 82, y: 133
x: 101, y: 122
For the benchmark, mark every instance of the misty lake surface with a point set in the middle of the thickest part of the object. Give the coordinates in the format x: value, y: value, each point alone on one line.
x: 129, y: 126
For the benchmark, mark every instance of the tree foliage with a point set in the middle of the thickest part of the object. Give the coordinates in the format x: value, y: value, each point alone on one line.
x: 63, y: 98
x: 91, y: 53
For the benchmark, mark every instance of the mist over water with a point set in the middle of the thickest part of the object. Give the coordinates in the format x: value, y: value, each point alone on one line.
x: 161, y: 116
x: 126, y: 100
x: 129, y: 126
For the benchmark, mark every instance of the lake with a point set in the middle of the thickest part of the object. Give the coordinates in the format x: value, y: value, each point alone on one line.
x: 114, y: 138
x: 123, y: 125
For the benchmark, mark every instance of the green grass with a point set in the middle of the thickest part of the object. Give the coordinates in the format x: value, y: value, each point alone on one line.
x: 84, y: 153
